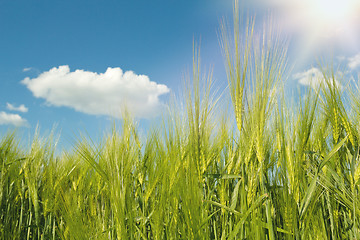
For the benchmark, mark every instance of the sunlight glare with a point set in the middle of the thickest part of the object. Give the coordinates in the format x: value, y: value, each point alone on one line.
x: 320, y: 23
x: 332, y: 13
x: 333, y: 9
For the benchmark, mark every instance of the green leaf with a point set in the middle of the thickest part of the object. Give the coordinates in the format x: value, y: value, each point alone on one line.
x: 222, y: 206
x: 222, y: 176
x: 235, y: 195
x: 258, y: 202
x: 331, y: 153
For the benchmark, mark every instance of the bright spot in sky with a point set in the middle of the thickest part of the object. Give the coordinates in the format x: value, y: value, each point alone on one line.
x: 332, y: 15
x: 320, y: 23
x: 335, y: 9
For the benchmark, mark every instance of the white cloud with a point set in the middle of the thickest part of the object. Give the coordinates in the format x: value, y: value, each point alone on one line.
x: 312, y: 77
x: 27, y: 69
x: 99, y: 93
x: 20, y: 108
x: 354, y: 62
x: 12, y: 119
x: 341, y: 58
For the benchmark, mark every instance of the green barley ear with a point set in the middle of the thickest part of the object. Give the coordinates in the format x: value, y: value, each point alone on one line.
x: 237, y: 54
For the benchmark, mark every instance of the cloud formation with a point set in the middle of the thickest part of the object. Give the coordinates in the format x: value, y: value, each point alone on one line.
x: 312, y: 77
x: 20, y: 108
x: 354, y: 62
x: 99, y: 93
x: 12, y: 119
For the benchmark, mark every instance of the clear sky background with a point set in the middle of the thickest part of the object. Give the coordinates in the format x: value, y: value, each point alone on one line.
x: 73, y: 64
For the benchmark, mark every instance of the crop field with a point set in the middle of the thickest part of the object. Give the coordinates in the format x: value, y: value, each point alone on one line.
x: 262, y: 168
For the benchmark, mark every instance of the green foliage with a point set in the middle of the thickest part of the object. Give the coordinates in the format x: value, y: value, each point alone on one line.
x: 275, y: 172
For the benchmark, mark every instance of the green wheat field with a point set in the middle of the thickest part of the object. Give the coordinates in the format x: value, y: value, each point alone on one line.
x: 248, y: 164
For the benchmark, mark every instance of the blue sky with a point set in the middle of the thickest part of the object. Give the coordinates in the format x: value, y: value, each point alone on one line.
x: 72, y: 64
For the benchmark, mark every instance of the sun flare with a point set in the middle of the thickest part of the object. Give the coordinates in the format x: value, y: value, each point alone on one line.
x: 323, y: 16
x: 332, y: 13
x: 320, y: 23
x: 333, y: 9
